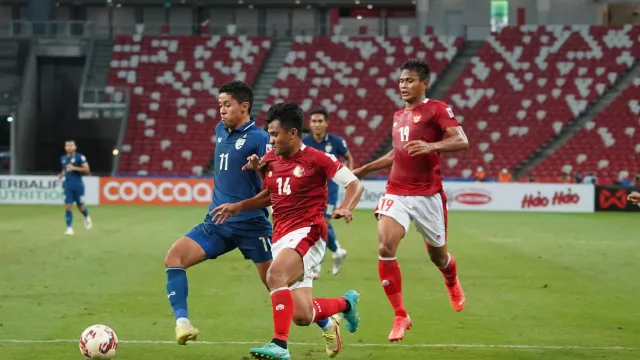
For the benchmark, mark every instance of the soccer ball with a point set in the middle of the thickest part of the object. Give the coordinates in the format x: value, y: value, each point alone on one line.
x: 98, y: 342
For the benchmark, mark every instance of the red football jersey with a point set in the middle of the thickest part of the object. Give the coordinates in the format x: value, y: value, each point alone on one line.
x: 298, y: 187
x: 420, y: 174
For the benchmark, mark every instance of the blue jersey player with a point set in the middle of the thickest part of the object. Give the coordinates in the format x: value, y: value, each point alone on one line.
x: 321, y: 140
x: 74, y: 166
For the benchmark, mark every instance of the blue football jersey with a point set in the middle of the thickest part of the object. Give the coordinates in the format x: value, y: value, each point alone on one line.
x: 230, y: 183
x: 331, y: 144
x: 72, y: 179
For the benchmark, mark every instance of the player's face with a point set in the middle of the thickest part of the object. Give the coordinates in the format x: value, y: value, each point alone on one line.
x: 69, y: 147
x: 318, y: 124
x: 411, y: 88
x: 231, y: 111
x: 281, y: 139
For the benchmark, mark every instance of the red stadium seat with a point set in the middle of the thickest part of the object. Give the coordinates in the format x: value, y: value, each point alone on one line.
x: 174, y: 107
x: 526, y: 83
x: 355, y: 79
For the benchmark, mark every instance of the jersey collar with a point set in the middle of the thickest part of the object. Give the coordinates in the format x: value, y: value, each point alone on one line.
x: 252, y: 121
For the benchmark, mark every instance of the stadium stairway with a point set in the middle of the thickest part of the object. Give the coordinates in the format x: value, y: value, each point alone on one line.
x: 441, y: 85
x: 100, y: 63
x: 268, y: 75
x: 575, y: 125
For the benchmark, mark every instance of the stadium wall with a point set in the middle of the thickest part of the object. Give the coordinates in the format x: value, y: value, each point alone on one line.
x: 529, y: 197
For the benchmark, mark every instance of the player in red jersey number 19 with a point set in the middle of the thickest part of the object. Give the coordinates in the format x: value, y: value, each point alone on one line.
x: 295, y: 177
x: 421, y: 130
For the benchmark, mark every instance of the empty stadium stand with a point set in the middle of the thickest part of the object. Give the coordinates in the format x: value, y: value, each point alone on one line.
x: 355, y: 79
x: 609, y: 146
x: 174, y: 107
x: 528, y: 82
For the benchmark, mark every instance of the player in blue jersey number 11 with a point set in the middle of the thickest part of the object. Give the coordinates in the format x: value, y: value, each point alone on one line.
x: 237, y: 138
x: 74, y: 167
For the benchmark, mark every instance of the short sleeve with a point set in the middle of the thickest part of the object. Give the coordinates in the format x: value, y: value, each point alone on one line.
x: 445, y: 116
x: 328, y: 164
x: 263, y: 145
x: 82, y: 158
x: 341, y: 148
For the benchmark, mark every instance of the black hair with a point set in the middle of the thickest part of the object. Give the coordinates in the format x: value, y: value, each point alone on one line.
x: 239, y: 90
x: 306, y: 130
x: 289, y: 114
x: 418, y: 65
x: 69, y: 140
x: 320, y: 111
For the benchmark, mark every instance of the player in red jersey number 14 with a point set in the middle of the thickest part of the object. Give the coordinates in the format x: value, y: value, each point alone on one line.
x: 414, y: 192
x: 295, y: 177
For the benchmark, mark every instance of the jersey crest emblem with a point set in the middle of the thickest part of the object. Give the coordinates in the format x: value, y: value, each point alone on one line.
x: 416, y: 119
x: 240, y: 142
x: 328, y: 148
x: 298, y: 171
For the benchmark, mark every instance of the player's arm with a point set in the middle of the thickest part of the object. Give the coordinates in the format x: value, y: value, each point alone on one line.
x: 83, y: 168
x: 454, y: 138
x: 343, y: 150
x: 384, y: 162
x: 223, y: 212
x: 346, y: 179
x: 354, y: 189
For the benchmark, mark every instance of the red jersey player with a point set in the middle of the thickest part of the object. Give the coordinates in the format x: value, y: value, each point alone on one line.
x: 296, y: 186
x: 414, y: 190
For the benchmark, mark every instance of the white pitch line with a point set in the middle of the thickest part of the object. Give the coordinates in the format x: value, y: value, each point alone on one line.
x: 468, y: 346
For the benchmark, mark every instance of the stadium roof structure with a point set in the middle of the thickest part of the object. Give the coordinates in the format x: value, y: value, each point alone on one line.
x: 288, y: 3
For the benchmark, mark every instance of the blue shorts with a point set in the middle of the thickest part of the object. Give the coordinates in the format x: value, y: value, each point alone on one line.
x: 218, y: 240
x: 74, y: 195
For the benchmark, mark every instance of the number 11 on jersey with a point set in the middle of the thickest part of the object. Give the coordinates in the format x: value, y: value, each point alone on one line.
x: 404, y: 133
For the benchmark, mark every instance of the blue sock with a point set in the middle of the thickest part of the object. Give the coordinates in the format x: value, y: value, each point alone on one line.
x: 85, y: 212
x: 331, y: 240
x: 323, y: 323
x: 68, y: 215
x: 177, y: 291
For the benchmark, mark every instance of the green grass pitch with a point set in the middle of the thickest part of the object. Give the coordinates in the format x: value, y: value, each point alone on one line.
x: 538, y: 286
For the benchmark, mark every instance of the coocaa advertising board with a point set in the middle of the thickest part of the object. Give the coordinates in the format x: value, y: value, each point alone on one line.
x: 501, y: 197
x: 46, y: 190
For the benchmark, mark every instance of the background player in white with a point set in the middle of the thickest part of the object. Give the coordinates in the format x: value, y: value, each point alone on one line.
x: 421, y: 130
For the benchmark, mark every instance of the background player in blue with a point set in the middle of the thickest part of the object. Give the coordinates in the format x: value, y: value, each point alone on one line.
x: 321, y: 140
x: 74, y: 166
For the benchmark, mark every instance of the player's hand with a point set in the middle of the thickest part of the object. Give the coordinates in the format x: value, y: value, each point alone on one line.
x: 634, y: 197
x: 70, y: 167
x: 419, y: 147
x: 359, y: 173
x: 253, y: 163
x: 343, y: 213
x: 223, y: 212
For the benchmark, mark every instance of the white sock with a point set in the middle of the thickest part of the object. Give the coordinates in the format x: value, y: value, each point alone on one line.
x: 182, y: 321
x: 328, y: 327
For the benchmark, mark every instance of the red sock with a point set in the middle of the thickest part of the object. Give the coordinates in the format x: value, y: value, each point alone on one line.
x: 391, y: 278
x: 450, y: 271
x: 282, y: 303
x: 325, y: 308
